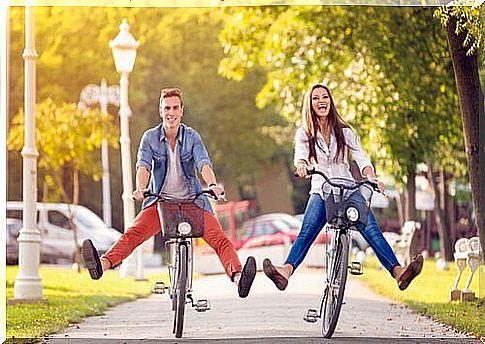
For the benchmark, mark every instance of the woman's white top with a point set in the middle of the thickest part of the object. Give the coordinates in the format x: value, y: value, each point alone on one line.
x: 327, y: 153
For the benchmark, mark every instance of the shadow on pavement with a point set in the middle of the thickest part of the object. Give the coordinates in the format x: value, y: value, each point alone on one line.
x: 275, y: 340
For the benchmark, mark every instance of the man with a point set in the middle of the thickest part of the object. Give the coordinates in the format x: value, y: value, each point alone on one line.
x: 168, y: 157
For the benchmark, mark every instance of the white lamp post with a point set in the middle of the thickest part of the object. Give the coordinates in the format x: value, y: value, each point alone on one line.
x: 124, y: 53
x: 102, y: 95
x: 28, y: 287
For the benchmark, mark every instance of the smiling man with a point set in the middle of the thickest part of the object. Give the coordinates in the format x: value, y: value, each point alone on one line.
x: 169, y: 156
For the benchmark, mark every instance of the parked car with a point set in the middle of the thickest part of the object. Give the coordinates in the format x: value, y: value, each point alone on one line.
x: 56, y: 232
x: 12, y: 227
x: 358, y: 241
x: 270, y: 229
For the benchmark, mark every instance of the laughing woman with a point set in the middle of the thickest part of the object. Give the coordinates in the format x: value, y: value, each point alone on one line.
x: 325, y: 141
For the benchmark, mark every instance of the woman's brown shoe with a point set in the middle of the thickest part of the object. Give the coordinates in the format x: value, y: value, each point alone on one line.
x: 412, y: 270
x: 273, y: 274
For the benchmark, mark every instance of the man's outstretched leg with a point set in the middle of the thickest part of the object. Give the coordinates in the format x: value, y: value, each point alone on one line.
x: 145, y: 225
x: 216, y: 238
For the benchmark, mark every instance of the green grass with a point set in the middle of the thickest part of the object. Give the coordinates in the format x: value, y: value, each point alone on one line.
x: 70, y: 296
x: 429, y: 294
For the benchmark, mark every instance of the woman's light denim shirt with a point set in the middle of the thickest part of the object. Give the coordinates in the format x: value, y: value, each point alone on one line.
x: 152, y: 154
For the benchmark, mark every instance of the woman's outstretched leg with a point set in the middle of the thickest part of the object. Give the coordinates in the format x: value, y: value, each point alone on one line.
x: 313, y: 221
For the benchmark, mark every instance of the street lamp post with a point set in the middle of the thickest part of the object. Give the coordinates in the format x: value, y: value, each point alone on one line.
x: 124, y: 53
x: 28, y: 287
x: 102, y: 95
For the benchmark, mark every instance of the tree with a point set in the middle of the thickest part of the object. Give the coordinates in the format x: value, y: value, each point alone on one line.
x: 464, y: 29
x: 179, y: 47
x: 389, y: 67
x: 66, y: 136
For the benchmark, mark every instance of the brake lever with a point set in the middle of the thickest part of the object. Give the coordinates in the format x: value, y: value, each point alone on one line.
x: 222, y: 197
x: 146, y: 194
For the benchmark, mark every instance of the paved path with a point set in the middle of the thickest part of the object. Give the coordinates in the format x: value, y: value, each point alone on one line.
x: 266, y: 316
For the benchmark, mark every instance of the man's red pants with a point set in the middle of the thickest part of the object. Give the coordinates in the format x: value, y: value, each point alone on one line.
x: 147, y: 224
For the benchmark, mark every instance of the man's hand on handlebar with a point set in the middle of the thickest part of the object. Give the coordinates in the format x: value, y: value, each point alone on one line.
x: 138, y: 194
x: 217, y: 190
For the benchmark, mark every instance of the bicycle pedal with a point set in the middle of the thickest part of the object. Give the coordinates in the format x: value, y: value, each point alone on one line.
x: 311, y: 316
x: 202, y: 305
x: 356, y: 268
x: 159, y: 288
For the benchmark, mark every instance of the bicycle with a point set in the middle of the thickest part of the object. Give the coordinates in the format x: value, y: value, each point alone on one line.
x: 181, y: 222
x: 347, y: 203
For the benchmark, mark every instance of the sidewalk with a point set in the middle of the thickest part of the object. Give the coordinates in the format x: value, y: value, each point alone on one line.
x: 267, y: 315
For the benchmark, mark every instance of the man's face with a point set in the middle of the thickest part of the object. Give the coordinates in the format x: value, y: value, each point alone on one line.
x: 171, y: 112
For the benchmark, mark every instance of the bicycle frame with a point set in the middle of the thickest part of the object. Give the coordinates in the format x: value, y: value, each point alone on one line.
x: 337, y: 255
x: 173, y: 249
x: 180, y: 255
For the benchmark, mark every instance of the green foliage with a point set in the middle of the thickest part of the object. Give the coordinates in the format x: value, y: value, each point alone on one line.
x: 388, y: 67
x: 178, y: 47
x: 469, y: 19
x: 65, y: 136
x: 70, y: 297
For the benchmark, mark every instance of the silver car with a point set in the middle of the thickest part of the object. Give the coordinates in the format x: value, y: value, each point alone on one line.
x: 56, y: 232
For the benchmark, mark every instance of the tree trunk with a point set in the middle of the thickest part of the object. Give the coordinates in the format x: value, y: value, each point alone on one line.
x: 411, y: 197
x: 472, y: 113
x: 446, y: 246
x: 446, y: 203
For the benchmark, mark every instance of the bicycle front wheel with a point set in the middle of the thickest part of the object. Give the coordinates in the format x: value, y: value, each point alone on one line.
x: 334, y: 291
x: 181, y: 292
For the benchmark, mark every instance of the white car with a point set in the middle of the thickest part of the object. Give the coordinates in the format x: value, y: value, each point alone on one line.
x: 56, y: 232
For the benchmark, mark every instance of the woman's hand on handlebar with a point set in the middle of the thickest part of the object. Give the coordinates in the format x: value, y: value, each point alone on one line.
x: 302, y: 169
x: 380, y: 184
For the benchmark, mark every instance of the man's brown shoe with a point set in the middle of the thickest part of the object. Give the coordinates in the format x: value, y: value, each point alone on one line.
x: 91, y: 259
x: 247, y: 277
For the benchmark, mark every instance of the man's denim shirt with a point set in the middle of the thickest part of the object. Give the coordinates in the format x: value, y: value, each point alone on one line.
x: 152, y: 154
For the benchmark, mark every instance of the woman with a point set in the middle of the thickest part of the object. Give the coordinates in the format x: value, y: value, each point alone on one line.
x: 325, y: 141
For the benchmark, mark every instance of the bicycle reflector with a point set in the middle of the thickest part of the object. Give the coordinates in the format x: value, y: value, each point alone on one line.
x: 352, y: 214
x: 184, y: 228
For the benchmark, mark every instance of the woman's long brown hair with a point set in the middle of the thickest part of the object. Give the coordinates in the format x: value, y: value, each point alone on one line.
x: 311, y: 126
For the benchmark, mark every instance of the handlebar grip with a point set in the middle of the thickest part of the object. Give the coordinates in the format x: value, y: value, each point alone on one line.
x: 146, y: 194
x: 310, y: 170
x: 213, y: 195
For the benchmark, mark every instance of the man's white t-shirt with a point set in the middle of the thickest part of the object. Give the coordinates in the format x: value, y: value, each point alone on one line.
x: 174, y: 185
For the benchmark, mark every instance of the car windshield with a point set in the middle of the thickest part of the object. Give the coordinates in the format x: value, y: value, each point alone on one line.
x: 87, y: 219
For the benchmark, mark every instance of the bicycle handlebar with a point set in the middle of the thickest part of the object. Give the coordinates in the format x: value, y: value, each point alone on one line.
x: 208, y: 192
x: 374, y: 185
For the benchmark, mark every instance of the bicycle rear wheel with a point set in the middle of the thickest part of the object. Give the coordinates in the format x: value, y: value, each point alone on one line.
x: 180, y: 292
x: 334, y: 290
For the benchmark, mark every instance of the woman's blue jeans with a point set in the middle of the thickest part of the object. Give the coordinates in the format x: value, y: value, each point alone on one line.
x: 313, y: 222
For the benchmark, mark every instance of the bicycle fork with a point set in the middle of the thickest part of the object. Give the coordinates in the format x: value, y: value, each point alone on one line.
x: 331, y: 255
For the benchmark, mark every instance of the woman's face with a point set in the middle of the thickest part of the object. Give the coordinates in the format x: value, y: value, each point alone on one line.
x: 320, y: 102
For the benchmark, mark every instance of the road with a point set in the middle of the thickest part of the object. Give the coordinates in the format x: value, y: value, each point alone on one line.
x: 266, y: 316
